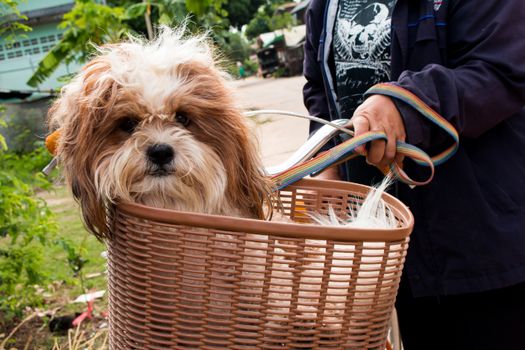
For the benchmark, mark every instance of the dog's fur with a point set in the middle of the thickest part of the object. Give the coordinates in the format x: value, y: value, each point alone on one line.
x: 134, y: 95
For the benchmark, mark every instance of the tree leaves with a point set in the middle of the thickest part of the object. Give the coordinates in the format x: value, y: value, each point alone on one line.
x: 136, y: 10
x: 10, y: 20
x: 86, y: 25
x: 90, y: 23
x: 198, y: 7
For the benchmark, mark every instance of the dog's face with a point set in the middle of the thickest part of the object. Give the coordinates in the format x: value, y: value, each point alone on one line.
x: 156, y: 124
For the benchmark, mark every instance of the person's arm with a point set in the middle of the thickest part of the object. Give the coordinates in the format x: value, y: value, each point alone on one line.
x: 484, y: 85
x: 486, y: 81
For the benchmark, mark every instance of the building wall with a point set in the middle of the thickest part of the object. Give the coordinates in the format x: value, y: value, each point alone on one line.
x: 18, y: 60
x: 31, y: 5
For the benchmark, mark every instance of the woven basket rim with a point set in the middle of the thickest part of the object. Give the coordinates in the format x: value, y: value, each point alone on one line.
x: 284, y: 229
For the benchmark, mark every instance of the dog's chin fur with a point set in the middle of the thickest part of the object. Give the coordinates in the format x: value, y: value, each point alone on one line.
x: 135, y: 95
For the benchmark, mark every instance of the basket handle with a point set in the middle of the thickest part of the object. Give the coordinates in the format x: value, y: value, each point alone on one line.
x: 346, y: 150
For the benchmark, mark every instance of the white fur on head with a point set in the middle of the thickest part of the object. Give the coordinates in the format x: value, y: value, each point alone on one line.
x: 146, y: 66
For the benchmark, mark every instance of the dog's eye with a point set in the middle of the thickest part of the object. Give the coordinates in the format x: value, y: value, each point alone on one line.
x: 183, y: 119
x: 128, y: 125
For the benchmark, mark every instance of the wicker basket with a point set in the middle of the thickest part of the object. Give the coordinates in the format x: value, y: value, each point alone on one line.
x: 191, y: 281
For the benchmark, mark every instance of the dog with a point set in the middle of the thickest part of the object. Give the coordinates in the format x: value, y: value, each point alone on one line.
x: 155, y: 123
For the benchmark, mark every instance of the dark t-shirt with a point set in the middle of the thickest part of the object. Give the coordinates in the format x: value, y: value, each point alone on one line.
x: 361, y: 49
x: 361, y: 52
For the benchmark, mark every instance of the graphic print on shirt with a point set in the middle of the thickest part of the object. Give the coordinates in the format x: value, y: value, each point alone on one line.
x: 361, y: 49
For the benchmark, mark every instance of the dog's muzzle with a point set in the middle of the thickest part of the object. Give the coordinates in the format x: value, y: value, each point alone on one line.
x: 160, y: 155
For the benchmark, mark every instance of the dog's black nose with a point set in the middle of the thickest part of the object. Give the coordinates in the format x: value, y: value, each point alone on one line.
x: 160, y: 153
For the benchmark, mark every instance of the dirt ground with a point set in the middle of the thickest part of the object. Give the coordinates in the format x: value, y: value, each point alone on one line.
x: 279, y: 136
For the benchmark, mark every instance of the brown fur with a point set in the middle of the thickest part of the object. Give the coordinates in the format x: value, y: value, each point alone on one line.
x: 93, y: 149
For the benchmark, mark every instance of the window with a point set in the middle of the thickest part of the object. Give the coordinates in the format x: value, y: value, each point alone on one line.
x: 2, y: 57
x: 29, y: 46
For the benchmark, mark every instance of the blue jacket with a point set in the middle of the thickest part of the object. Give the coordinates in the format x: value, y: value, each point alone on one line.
x: 465, y: 59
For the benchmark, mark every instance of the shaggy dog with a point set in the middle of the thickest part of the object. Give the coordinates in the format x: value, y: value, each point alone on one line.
x: 155, y: 123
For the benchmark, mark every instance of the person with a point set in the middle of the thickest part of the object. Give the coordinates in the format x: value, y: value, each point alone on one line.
x: 242, y: 71
x: 463, y: 285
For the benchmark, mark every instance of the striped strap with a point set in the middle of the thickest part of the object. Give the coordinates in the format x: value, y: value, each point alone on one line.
x: 346, y: 150
x: 427, y: 112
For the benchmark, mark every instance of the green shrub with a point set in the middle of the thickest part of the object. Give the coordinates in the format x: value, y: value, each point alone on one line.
x: 280, y: 72
x: 25, y: 125
x: 234, y: 46
x: 26, y: 228
x: 251, y: 67
x: 267, y: 19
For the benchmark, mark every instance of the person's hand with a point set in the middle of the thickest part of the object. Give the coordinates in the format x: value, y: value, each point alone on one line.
x: 379, y: 113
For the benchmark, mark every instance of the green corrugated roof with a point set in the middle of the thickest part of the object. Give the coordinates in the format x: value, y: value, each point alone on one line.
x: 31, y: 5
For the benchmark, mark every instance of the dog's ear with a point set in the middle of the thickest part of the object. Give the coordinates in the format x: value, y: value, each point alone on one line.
x: 92, y: 208
x: 228, y: 133
x: 256, y: 187
x: 248, y: 186
x: 79, y: 113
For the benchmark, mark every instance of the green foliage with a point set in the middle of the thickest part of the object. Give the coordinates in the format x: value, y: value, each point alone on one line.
x: 86, y: 25
x: 280, y: 72
x: 25, y: 126
x: 234, y: 46
x: 24, y: 219
x: 10, y: 20
x: 26, y: 227
x: 240, y: 12
x: 268, y: 20
x: 166, y: 12
x: 201, y: 15
x: 3, y: 144
x: 281, y: 21
x: 260, y: 24
x: 91, y: 23
x: 198, y: 7
x: 250, y: 67
x: 74, y: 259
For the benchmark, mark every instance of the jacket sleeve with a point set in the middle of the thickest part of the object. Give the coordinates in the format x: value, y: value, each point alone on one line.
x: 484, y: 82
x: 314, y: 95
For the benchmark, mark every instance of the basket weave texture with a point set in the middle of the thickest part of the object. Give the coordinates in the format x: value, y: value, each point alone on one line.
x: 192, y: 281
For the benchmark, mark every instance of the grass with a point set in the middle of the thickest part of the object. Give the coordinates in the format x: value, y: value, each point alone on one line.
x: 72, y: 230
x: 67, y: 285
